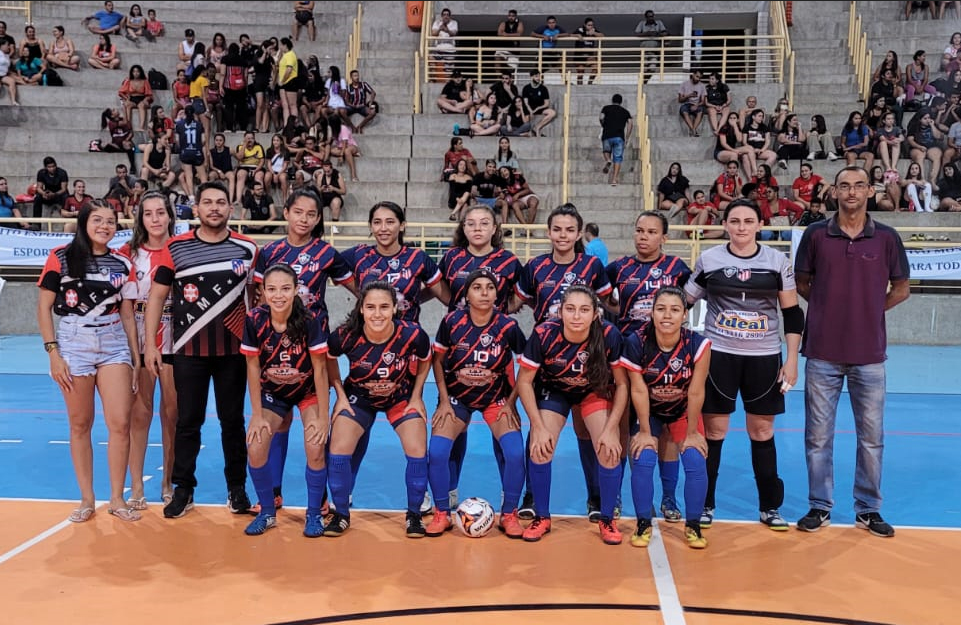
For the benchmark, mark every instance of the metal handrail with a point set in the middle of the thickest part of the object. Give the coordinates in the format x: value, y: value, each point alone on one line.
x: 20, y: 7
x: 566, y: 165
x: 352, y: 60
x: 788, y: 59
x: 861, y: 56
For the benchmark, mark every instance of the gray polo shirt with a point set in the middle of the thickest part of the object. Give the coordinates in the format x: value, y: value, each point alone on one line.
x: 849, y: 284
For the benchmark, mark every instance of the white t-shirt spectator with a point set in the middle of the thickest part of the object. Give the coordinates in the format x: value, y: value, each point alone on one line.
x: 336, y: 94
x: 954, y: 133
x: 446, y: 41
x: 4, y: 64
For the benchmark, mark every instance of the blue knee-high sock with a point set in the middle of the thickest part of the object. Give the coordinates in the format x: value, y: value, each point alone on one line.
x: 278, y: 459
x: 264, y: 487
x: 438, y: 470
x: 695, y: 484
x: 499, y: 455
x: 585, y: 449
x: 642, y: 483
x: 609, y: 482
x: 316, y: 488
x: 511, y: 445
x: 540, y: 477
x: 416, y: 478
x: 528, y: 487
x: 457, y: 454
x: 669, y: 470
x: 357, y: 457
x: 341, y: 481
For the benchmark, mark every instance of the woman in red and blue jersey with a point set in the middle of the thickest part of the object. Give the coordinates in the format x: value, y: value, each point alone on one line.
x: 636, y: 279
x: 389, y: 363
x: 668, y: 366
x: 285, y: 345
x: 474, y: 369
x: 572, y: 364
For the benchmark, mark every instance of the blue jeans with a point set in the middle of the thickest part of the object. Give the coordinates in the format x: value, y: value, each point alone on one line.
x: 822, y: 389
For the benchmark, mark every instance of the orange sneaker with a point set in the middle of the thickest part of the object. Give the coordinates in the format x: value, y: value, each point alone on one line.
x: 609, y: 532
x: 537, y: 529
x: 511, y: 525
x: 439, y: 524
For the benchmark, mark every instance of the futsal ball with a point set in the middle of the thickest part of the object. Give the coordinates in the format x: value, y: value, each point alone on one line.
x: 474, y: 517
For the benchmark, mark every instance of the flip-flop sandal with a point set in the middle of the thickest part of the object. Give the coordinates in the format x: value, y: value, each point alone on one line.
x: 137, y: 503
x: 81, y: 515
x: 125, y: 514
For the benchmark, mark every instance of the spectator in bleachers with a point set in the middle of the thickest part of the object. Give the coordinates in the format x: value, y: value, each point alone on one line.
x: 911, y: 7
x: 250, y: 162
x: 4, y: 37
x: 873, y: 115
x: 806, y: 186
x: 588, y: 58
x: 538, y: 100
x: 132, y: 204
x: 757, y: 137
x: 691, y: 97
x: 332, y: 188
x: 190, y: 142
x: 548, y: 34
x: 727, y: 186
x: 123, y: 178
x: 763, y: 180
x: 944, y: 4
x: 505, y: 157
x: 949, y: 188
x: 916, y: 77
x: 313, y: 104
x: 730, y: 146
x: 277, y: 161
x: 791, y: 141
x: 517, y: 119
x: 511, y: 28
x: 700, y: 212
x: 103, y: 55
x: 458, y: 152
x: 925, y: 141
x: 294, y: 133
x: 673, y: 191
x: 8, y: 206
x: 856, y: 141
x: 779, y: 116
x: 651, y: 31
x: 518, y: 196
x: 336, y: 89
x: 309, y: 160
x: 460, y: 181
x: 288, y: 79
x: 135, y: 24
x: 472, y: 93
x: 887, y: 193
x: 484, y: 121
x: 490, y: 189
x: 889, y: 139
x: 916, y: 190
x: 593, y: 243
x: 258, y: 206
x: 304, y: 16
x: 108, y: 21
x: 33, y: 47
x: 616, y: 125
x: 343, y: 145
x: 52, y: 187
x: 814, y: 213
x: 220, y: 164
x: 950, y: 61
x: 953, y: 142
x: 892, y: 63
x: 445, y: 29
x: 717, y: 101
x: 947, y: 84
x: 886, y: 88
x: 234, y: 90
x: 451, y: 99
x: 156, y: 163
x: 215, y: 105
x: 263, y: 65
x: 62, y: 51
x: 180, y: 91
x: 779, y: 211
x: 28, y: 71
x: 136, y: 94
x: 216, y: 52
x: 750, y: 105
x: 186, y: 50
x: 359, y: 98
x: 504, y: 89
x: 155, y: 27
x: 820, y: 140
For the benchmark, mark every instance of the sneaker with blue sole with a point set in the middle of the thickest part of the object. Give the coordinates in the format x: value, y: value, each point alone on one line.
x: 314, y: 526
x: 261, y: 523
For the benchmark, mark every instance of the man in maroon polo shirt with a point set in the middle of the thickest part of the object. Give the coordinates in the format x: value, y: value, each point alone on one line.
x: 843, y: 267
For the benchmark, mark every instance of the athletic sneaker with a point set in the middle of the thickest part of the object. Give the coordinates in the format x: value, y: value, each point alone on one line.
x: 337, y: 525
x: 537, y: 529
x: 774, y: 520
x: 526, y: 511
x: 278, y: 504
x: 181, y: 503
x: 707, y: 518
x: 642, y: 535
x: 314, y: 527
x: 415, y: 525
x: 427, y: 507
x: 593, y: 511
x: 814, y: 520
x: 695, y: 539
x: 782, y: 164
x: 872, y: 522
x: 261, y: 523
x: 510, y: 525
x: 670, y: 510
x: 237, y: 502
x: 609, y: 532
x: 439, y: 524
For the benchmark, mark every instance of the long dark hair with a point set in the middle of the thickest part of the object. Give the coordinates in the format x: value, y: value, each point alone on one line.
x: 140, y: 234
x: 596, y: 369
x: 80, y: 251
x: 297, y: 321
x: 849, y: 125
x: 819, y: 124
x: 353, y: 326
x: 310, y: 194
x: 394, y: 208
x: 648, y: 331
x: 569, y: 210
x: 460, y: 237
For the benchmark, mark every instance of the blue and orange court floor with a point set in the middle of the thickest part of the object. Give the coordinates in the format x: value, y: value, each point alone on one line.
x: 203, y: 569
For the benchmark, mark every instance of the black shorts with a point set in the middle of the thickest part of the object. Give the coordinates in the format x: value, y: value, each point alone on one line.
x: 754, y: 377
x: 191, y: 159
x: 291, y: 85
x: 327, y: 198
x: 303, y: 17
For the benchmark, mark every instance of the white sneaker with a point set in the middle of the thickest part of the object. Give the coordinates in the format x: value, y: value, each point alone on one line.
x: 782, y: 164
x: 427, y: 505
x: 832, y: 156
x: 810, y: 156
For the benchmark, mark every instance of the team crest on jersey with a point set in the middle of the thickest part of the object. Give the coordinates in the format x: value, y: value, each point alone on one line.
x: 582, y: 356
x: 393, y: 263
x: 486, y: 339
x: 303, y: 258
x: 656, y: 273
x: 116, y: 280
x: 104, y: 271
x: 676, y: 364
x: 239, y: 267
x: 285, y: 342
x: 388, y: 357
x: 71, y: 298
x: 191, y: 292
x: 570, y: 277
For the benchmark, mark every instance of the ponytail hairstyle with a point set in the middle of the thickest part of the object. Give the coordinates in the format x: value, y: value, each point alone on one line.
x: 297, y: 321
x: 354, y: 324
x: 80, y: 251
x: 569, y: 210
x: 597, y: 370
x: 460, y: 236
x: 648, y: 331
x: 392, y: 207
x: 656, y: 215
x: 481, y: 273
x: 140, y: 234
x: 310, y: 194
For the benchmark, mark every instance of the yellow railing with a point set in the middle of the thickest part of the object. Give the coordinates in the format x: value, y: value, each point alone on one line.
x: 22, y: 7
x: 644, y: 145
x: 779, y: 29
x: 745, y: 58
x: 566, y: 166
x: 428, y: 20
x: 860, y: 54
x: 417, y: 88
x: 353, y: 42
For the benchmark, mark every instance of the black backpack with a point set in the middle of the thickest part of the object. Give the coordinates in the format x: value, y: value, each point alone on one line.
x: 157, y: 80
x: 51, y: 78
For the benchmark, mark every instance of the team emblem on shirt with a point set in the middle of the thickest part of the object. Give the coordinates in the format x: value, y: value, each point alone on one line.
x: 656, y: 273
x: 582, y: 356
x: 742, y: 274
x: 116, y: 280
x: 191, y: 292
x: 71, y: 298
x: 570, y: 277
x: 388, y: 358
x: 486, y: 339
x: 303, y: 258
x: 393, y: 263
x: 239, y: 266
x: 676, y: 364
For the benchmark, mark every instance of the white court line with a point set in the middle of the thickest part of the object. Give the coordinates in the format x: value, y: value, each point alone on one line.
x: 671, y: 610
x: 58, y: 442
x: 37, y: 539
x: 11, y: 440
